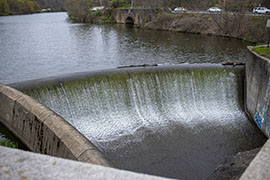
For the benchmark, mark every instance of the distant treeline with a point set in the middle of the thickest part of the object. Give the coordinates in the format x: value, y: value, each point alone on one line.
x: 9, y: 7
x: 54, y: 5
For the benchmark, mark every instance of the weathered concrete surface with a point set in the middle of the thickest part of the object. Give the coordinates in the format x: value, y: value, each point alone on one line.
x: 260, y: 166
x: 17, y: 164
x: 234, y: 166
x: 258, y: 90
x: 258, y: 107
x: 42, y: 130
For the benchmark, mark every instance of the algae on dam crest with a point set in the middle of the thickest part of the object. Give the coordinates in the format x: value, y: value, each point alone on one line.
x: 179, y: 123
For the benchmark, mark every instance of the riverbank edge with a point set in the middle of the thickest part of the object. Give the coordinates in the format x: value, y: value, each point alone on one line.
x: 38, y: 12
x: 231, y: 25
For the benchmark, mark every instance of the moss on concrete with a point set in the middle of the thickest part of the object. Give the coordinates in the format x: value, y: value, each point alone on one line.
x: 262, y: 50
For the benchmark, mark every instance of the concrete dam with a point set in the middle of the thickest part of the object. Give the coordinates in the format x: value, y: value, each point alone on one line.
x: 175, y: 121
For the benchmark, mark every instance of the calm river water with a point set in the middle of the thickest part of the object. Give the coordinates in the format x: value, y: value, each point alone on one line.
x: 41, y: 45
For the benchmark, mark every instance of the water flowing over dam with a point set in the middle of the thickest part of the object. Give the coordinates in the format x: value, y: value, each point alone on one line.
x: 179, y: 122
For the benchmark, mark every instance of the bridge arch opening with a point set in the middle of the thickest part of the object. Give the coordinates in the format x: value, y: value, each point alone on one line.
x: 130, y: 20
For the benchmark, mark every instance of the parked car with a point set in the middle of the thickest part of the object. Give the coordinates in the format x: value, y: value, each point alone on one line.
x: 214, y: 9
x: 97, y: 8
x: 179, y: 9
x: 261, y: 10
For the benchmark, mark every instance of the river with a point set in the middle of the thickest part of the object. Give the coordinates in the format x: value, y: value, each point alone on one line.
x: 42, y: 45
x: 178, y: 124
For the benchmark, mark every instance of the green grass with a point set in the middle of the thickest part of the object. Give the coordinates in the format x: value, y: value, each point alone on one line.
x: 8, y: 143
x: 264, y: 51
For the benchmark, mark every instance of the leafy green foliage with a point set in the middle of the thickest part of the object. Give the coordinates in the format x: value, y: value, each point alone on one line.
x: 8, y: 7
x: 80, y: 10
x: 55, y: 5
x: 8, y: 143
x: 4, y: 7
x: 97, y: 13
x: 262, y: 50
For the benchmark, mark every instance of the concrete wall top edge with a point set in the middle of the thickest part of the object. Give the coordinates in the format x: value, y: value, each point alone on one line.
x: 123, y: 70
x: 258, y: 90
x: 250, y: 48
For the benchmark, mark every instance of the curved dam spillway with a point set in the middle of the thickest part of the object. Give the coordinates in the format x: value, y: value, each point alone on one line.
x: 179, y: 122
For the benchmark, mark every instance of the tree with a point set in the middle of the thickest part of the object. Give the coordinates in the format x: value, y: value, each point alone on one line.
x: 55, y: 5
x: 80, y: 9
x: 18, y: 7
x: 4, y: 7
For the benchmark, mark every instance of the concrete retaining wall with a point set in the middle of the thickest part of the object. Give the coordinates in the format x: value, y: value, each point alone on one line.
x: 258, y: 90
x: 258, y: 169
x: 42, y: 130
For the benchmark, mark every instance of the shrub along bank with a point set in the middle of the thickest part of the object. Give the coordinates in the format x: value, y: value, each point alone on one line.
x: 240, y: 26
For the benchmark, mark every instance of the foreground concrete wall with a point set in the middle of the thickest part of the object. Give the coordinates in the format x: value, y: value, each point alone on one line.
x: 17, y: 164
x: 259, y: 167
x: 42, y: 130
x: 258, y: 90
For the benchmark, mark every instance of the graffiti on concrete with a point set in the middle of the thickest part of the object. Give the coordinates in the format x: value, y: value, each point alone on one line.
x: 260, y: 118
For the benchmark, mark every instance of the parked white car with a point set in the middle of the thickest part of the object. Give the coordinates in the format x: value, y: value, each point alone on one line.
x: 261, y: 10
x: 214, y: 9
x: 179, y: 9
x: 97, y: 8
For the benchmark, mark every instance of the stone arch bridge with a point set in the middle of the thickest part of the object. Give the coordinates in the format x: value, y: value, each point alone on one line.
x: 137, y: 17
